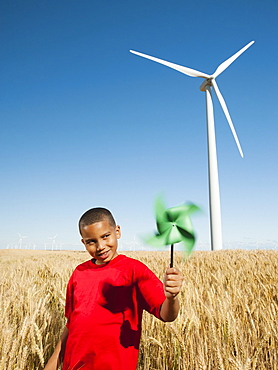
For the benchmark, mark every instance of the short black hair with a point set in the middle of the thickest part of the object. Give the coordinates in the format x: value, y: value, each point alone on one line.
x: 94, y: 215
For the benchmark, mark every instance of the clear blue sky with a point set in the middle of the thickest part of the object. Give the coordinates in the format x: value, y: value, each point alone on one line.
x: 85, y: 123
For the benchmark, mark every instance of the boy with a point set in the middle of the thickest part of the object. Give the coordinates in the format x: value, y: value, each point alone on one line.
x: 105, y: 300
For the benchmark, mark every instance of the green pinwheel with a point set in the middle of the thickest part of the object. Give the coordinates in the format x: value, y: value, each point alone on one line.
x: 174, y: 226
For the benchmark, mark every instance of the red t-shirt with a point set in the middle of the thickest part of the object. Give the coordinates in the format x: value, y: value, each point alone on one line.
x: 104, y: 308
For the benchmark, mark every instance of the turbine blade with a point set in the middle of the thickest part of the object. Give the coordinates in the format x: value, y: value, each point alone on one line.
x: 229, y: 61
x: 185, y: 70
x: 227, y: 114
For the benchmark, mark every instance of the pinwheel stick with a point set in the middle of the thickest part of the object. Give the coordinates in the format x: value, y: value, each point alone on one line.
x: 172, y: 256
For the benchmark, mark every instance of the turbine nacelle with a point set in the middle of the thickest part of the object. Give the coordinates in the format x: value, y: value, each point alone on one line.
x: 206, y: 83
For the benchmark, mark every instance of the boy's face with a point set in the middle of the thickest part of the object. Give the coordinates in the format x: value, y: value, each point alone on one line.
x: 101, y: 240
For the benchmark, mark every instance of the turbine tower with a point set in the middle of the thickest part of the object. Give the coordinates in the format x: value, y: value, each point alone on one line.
x: 207, y: 85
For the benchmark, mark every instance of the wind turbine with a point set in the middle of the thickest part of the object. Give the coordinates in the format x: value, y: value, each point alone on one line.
x: 53, y: 241
x: 20, y: 240
x: 133, y: 244
x: 207, y: 85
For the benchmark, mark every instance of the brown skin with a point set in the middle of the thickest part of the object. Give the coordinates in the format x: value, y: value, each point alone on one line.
x: 101, y: 241
x: 172, y: 286
x: 58, y: 355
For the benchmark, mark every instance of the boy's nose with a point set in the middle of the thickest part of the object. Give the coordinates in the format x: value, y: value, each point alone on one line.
x: 100, y: 246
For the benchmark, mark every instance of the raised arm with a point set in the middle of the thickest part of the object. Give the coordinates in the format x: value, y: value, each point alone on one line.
x: 172, y: 285
x: 58, y: 355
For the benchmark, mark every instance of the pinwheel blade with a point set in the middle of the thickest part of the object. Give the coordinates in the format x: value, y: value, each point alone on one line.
x: 163, y: 227
x: 160, y: 210
x: 159, y: 240
x: 189, y: 244
x: 161, y: 216
x: 175, y: 236
x: 185, y: 70
x: 184, y: 223
x: 227, y: 114
x: 175, y: 212
x: 229, y: 61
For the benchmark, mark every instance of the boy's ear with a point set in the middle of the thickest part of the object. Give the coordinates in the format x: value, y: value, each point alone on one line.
x: 118, y: 231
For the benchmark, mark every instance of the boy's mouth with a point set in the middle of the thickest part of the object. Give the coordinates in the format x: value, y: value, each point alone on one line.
x: 104, y: 254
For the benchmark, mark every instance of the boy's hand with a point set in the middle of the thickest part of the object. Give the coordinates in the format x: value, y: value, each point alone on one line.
x: 172, y: 282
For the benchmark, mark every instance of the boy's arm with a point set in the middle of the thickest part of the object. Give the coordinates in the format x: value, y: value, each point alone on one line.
x: 58, y: 355
x: 172, y: 286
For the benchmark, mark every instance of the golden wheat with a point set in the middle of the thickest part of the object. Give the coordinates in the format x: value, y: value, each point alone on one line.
x: 228, y: 316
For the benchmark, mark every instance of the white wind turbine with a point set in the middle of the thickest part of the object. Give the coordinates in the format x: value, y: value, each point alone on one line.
x: 214, y: 195
x: 133, y: 244
x: 20, y: 240
x: 53, y: 241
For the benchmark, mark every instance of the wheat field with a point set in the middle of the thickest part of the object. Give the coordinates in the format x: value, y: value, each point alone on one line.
x: 228, y: 316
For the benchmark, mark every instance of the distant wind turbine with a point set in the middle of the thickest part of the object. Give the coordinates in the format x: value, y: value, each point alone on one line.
x: 133, y: 244
x: 214, y: 195
x: 20, y: 240
x: 53, y: 241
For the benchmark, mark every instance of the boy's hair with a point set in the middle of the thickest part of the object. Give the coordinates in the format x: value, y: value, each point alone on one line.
x: 94, y: 215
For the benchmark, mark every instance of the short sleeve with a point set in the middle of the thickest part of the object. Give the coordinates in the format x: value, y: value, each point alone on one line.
x: 151, y: 291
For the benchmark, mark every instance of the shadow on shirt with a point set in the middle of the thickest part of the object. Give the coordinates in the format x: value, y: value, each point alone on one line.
x: 118, y: 299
